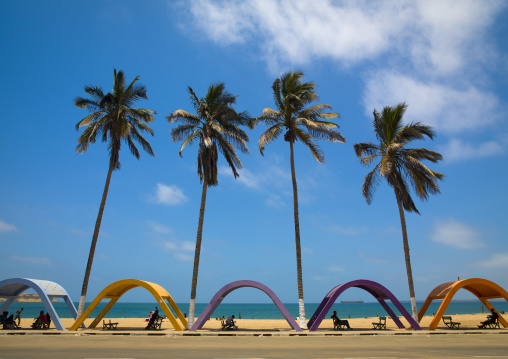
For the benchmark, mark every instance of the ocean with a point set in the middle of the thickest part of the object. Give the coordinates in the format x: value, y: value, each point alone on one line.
x: 259, y: 311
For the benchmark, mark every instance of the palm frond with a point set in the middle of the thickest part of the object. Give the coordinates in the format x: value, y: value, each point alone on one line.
x: 370, y: 184
x: 268, y: 136
x: 115, y: 120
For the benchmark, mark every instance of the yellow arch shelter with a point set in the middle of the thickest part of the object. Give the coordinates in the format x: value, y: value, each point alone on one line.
x: 483, y: 289
x: 115, y: 290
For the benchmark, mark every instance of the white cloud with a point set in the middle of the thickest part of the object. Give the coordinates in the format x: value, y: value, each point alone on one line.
x: 457, y: 150
x: 455, y: 234
x: 6, y: 227
x: 159, y: 228
x: 246, y: 177
x: 181, y: 250
x: 169, y: 195
x: 433, y: 33
x: 32, y: 260
x: 442, y: 107
x: 439, y: 48
x: 497, y: 260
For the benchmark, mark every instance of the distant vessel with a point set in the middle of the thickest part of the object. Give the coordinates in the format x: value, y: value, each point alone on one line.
x: 351, y: 301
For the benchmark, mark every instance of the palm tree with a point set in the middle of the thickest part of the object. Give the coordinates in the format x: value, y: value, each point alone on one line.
x: 299, y: 123
x: 398, y: 164
x: 216, y: 128
x: 114, y: 119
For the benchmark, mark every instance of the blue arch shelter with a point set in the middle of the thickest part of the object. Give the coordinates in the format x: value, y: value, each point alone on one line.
x: 11, y: 288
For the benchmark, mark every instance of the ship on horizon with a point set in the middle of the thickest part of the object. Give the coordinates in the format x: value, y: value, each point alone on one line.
x: 351, y: 301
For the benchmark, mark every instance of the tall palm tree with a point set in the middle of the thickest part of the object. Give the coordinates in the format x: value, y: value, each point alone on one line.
x: 298, y: 123
x: 216, y: 128
x: 398, y: 165
x: 114, y: 119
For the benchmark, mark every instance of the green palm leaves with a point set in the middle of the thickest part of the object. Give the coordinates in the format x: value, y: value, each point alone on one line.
x: 396, y: 163
x: 216, y: 127
x: 114, y: 119
x: 294, y: 119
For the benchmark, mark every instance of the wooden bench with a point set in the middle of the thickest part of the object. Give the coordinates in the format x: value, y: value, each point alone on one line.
x: 450, y: 323
x: 338, y: 324
x: 381, y: 324
x: 108, y: 326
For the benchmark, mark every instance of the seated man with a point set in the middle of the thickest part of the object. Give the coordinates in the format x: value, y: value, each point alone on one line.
x: 3, y: 317
x: 491, y: 319
x: 337, y: 320
x: 231, y: 323
x: 9, y: 322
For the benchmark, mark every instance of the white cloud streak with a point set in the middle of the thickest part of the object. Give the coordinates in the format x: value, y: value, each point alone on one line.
x: 159, y: 228
x: 180, y: 250
x: 169, y: 195
x: 6, y: 227
x: 496, y: 260
x: 458, y: 150
x: 442, y: 107
x: 455, y: 234
x: 31, y: 260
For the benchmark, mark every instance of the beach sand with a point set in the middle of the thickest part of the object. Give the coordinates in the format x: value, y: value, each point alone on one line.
x: 468, y: 321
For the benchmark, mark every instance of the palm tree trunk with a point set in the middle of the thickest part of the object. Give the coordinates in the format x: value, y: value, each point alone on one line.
x: 407, y: 258
x: 197, y: 253
x: 84, y: 289
x: 301, y: 304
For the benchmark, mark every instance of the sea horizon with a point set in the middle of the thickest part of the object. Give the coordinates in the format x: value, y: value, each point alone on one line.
x: 259, y: 310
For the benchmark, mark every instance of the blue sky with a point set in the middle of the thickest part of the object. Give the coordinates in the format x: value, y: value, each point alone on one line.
x: 448, y: 60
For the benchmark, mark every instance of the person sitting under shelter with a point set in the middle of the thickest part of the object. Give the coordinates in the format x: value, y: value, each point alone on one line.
x: 230, y: 322
x: 9, y: 322
x: 42, y: 317
x: 337, y: 320
x: 491, y: 319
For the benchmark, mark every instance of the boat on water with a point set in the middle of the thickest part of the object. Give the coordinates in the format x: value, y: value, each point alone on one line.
x: 351, y: 301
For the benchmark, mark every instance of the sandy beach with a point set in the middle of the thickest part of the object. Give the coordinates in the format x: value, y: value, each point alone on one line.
x: 468, y: 321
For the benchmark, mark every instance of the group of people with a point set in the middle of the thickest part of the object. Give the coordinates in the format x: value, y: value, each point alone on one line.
x: 9, y: 321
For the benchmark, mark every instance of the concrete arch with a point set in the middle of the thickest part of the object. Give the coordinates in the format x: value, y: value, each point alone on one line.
x: 377, y: 290
x: 115, y: 290
x: 228, y: 288
x: 483, y: 289
x: 11, y: 288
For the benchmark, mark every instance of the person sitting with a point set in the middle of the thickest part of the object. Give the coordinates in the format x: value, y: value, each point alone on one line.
x: 48, y: 321
x: 42, y: 317
x: 9, y: 322
x: 338, y: 321
x: 3, y: 317
x: 230, y: 323
x: 491, y: 319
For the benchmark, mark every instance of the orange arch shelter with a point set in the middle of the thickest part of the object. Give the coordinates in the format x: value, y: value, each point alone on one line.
x: 483, y: 289
x: 115, y: 290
